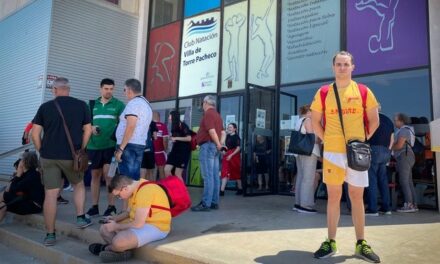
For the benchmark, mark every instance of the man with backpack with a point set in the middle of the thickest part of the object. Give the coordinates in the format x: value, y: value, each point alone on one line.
x: 147, y: 219
x: 357, y: 108
x: 105, y: 111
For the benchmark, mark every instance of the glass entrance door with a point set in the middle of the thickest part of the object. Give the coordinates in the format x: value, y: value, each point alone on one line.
x: 231, y: 110
x: 287, y: 162
x: 259, y: 156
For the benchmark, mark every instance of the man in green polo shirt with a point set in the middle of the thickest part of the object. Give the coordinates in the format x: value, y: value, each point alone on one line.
x: 105, y: 113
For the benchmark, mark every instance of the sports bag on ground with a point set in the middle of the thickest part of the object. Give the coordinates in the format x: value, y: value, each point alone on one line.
x: 177, y: 193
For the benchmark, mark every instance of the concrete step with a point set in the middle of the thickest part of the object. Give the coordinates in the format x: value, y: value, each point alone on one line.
x: 84, y: 237
x: 29, y: 240
x: 11, y: 255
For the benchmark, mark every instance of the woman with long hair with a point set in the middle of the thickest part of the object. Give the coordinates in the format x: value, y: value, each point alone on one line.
x: 25, y: 194
x: 231, y: 162
x: 180, y: 152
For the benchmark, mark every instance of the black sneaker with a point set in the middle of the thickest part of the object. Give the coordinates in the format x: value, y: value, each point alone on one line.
x: 108, y: 256
x: 93, y: 211
x: 306, y: 210
x: 111, y: 210
x: 214, y: 206
x: 201, y: 207
x: 327, y: 249
x: 222, y: 193
x: 96, y: 248
x: 239, y: 192
x: 364, y: 251
x: 61, y: 200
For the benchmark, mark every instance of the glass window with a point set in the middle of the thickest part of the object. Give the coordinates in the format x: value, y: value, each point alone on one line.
x: 228, y: 2
x: 309, y: 39
x: 166, y: 11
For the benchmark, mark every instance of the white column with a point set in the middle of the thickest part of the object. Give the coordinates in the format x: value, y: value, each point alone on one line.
x: 434, y: 31
x: 144, y: 6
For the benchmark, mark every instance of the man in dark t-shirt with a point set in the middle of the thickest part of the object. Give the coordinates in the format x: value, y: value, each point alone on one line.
x: 380, y: 144
x: 210, y: 137
x: 55, y: 153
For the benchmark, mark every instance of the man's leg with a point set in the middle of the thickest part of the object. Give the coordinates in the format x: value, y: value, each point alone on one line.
x: 373, y: 174
x: 334, y: 193
x: 50, y: 209
x: 95, y: 185
x: 207, y: 170
x: 110, y: 196
x: 357, y: 209
x: 79, y: 195
x: 122, y: 241
x: 106, y: 235
x: 161, y: 171
x: 216, y: 179
x: 383, y: 187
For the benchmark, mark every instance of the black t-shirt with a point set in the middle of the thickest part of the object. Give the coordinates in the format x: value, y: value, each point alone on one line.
x: 29, y: 185
x: 233, y: 141
x: 382, y: 135
x: 181, y: 146
x: 54, y: 144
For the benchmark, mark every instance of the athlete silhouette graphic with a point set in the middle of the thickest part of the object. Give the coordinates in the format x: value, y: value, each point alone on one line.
x: 384, y: 40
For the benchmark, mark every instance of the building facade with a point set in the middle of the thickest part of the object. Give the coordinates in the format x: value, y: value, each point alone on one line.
x: 262, y: 59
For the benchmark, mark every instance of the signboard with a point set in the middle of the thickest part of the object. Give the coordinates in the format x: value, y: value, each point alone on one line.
x: 310, y: 34
x: 260, y: 120
x: 194, y: 7
x: 387, y: 35
x: 234, y: 47
x: 199, y: 55
x: 163, y: 62
x: 262, y: 42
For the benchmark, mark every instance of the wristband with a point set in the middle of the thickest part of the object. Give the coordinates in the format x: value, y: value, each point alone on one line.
x: 119, y: 149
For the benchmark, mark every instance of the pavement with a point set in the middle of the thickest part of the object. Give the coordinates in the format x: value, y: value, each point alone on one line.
x: 264, y: 229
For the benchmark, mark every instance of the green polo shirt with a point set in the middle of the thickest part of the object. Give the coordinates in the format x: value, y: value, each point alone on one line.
x: 106, y: 116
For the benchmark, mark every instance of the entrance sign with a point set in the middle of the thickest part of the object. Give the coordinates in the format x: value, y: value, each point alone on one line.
x: 310, y: 33
x: 200, y: 54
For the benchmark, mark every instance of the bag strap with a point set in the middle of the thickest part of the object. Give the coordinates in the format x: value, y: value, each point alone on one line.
x: 156, y: 206
x: 69, y: 138
x: 338, y: 102
x: 302, y: 123
x: 92, y: 105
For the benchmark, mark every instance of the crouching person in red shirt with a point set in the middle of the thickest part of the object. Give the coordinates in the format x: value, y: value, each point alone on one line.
x: 139, y: 225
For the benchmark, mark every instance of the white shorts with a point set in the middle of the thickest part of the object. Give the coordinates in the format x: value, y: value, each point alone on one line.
x: 336, y: 171
x: 148, y: 233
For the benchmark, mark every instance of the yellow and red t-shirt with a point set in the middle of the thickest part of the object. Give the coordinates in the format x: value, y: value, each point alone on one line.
x: 352, y: 114
x: 148, y: 195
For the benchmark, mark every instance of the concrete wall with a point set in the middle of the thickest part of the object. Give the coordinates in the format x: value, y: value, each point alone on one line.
x: 434, y: 31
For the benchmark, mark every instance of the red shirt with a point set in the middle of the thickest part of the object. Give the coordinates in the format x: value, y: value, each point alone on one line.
x: 162, y: 131
x: 211, y: 119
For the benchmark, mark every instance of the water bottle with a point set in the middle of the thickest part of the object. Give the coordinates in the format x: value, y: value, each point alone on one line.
x: 113, y: 167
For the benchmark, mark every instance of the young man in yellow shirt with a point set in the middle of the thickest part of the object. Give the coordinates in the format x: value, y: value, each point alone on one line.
x: 335, y: 169
x: 139, y: 225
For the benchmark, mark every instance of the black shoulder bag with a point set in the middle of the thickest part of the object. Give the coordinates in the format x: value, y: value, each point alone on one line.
x: 301, y: 144
x: 358, y: 152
